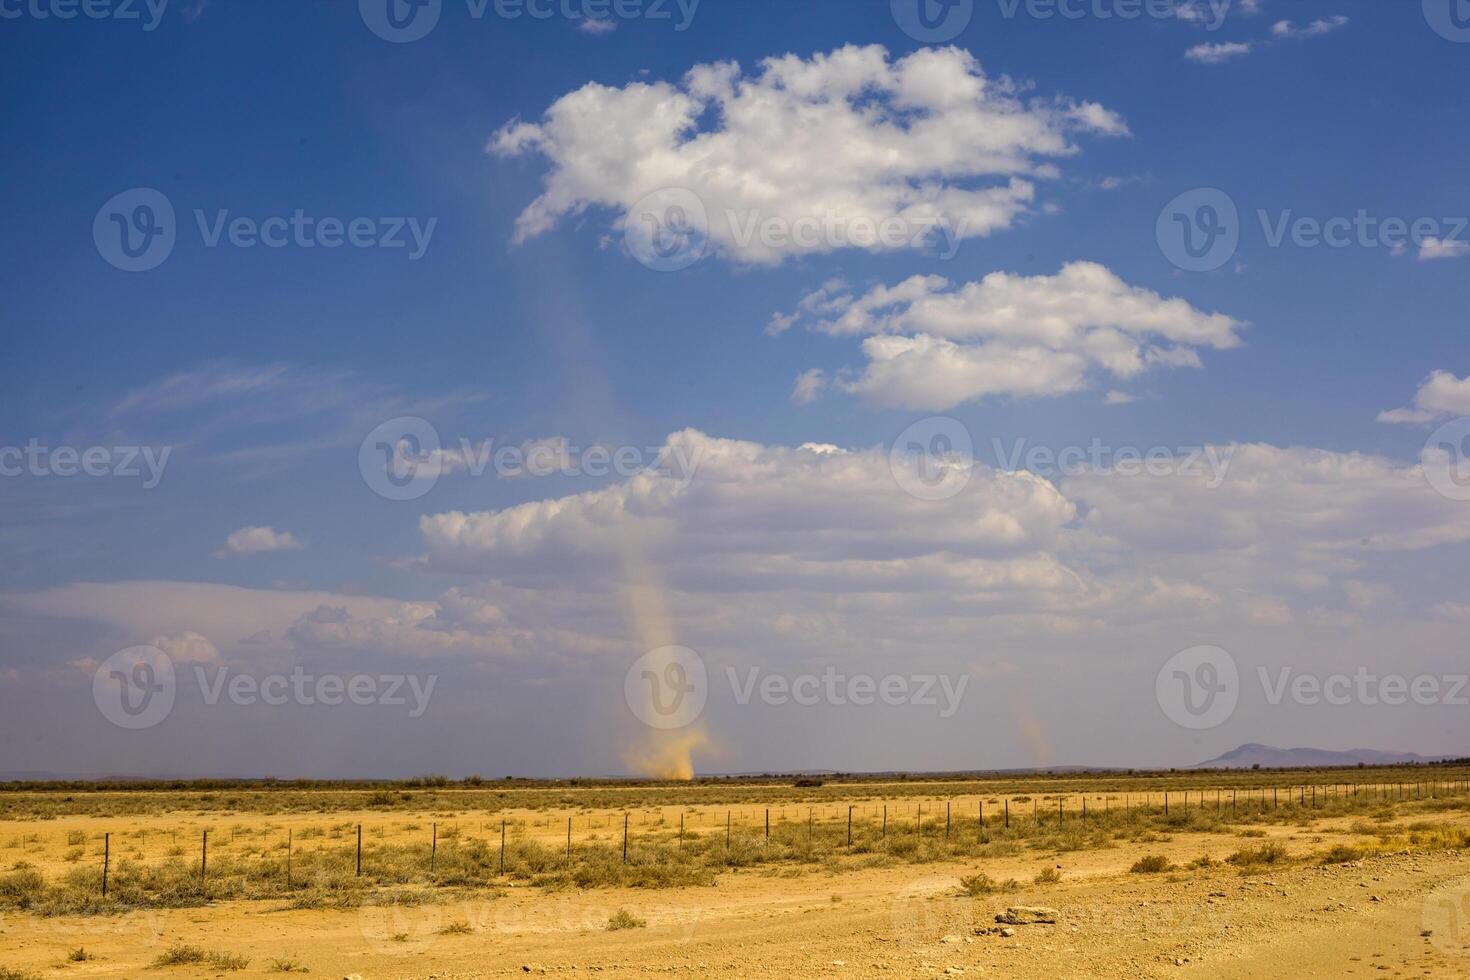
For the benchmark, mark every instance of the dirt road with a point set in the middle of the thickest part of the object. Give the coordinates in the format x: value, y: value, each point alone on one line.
x: 1395, y: 915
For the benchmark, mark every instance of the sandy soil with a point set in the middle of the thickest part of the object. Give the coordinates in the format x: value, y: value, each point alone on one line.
x: 1393, y: 915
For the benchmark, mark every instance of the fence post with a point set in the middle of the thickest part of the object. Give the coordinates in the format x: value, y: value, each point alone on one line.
x: 106, y: 860
x: 625, y: 838
x: 727, y: 830
x: 434, y: 850
x: 288, y: 858
x: 569, y: 835
x: 946, y: 820
x: 885, y: 821
x: 768, y: 823
x: 1060, y: 817
x: 502, y: 845
x: 849, y: 825
x: 204, y: 865
x: 1008, y: 813
x: 359, y: 850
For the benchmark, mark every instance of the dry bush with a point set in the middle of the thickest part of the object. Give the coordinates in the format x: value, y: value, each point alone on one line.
x: 1151, y: 865
x: 1252, y: 857
x: 980, y: 884
x: 623, y: 919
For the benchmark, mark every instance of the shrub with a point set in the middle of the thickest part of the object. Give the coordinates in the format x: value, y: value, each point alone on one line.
x: 180, y: 956
x: 1265, y: 854
x: 227, y: 961
x: 1151, y: 865
x: 623, y: 919
x: 192, y: 955
x: 456, y: 929
x: 1343, y: 854
x: 980, y: 884
x: 1048, y: 876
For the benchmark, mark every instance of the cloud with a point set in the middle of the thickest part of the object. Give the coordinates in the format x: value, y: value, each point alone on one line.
x: 597, y: 25
x: 1120, y: 398
x: 1212, y: 13
x: 1436, y: 248
x: 795, y: 558
x: 1441, y: 396
x: 1275, y: 509
x: 815, y: 516
x: 257, y: 540
x: 809, y: 386
x: 1217, y: 54
x: 235, y: 414
x: 1288, y: 29
x: 850, y: 139
x: 1283, y: 30
x: 824, y: 520
x: 931, y: 346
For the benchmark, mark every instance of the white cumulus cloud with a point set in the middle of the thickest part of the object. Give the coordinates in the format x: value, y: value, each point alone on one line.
x: 931, y: 345
x: 849, y: 140
x: 1442, y: 395
x: 255, y: 540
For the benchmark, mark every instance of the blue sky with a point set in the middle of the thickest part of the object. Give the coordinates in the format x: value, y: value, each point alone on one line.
x: 263, y: 369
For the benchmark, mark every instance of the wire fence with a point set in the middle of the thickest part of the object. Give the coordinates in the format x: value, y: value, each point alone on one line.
x: 834, y: 825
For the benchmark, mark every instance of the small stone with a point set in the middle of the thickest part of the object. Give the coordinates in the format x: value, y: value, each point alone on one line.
x: 1022, y: 915
x: 1007, y: 932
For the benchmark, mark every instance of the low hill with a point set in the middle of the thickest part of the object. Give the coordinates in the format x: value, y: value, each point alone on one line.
x: 1269, y: 757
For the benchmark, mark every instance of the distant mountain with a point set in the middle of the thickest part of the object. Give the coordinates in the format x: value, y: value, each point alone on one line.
x: 1270, y: 757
